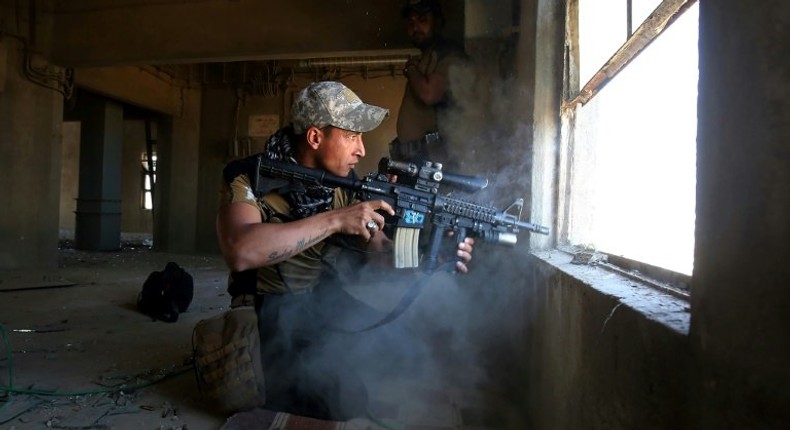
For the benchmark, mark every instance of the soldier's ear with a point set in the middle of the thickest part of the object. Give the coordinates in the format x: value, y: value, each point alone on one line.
x: 314, y: 136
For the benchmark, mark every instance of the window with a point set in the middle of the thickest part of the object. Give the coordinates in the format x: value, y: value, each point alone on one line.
x: 630, y: 127
x: 148, y: 181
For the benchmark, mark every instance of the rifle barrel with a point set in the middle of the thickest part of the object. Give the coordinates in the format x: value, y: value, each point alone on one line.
x: 533, y: 227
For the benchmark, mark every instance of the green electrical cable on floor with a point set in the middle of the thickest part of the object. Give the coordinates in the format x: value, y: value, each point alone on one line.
x: 10, y: 359
x: 10, y: 389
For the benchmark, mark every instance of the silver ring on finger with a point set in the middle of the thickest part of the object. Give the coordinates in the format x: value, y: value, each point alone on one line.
x: 372, y: 226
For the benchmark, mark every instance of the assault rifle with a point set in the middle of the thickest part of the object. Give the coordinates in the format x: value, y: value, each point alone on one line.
x: 417, y: 205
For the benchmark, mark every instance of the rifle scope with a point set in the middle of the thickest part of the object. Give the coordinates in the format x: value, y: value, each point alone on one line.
x: 433, y: 172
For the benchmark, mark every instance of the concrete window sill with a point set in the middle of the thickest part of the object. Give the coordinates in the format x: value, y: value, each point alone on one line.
x: 670, y: 311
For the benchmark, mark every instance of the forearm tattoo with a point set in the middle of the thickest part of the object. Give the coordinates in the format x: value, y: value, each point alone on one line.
x: 300, y: 246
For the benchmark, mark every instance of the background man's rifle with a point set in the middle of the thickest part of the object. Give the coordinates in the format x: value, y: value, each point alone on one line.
x: 417, y: 205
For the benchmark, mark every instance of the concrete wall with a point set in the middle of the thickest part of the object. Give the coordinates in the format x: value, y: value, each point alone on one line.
x: 740, y: 297
x: 601, y: 352
x: 30, y: 154
x: 137, y: 86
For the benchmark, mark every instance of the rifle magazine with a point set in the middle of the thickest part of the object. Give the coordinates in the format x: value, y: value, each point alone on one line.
x: 407, y: 242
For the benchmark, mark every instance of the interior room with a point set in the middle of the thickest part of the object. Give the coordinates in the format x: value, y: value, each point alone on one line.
x: 651, y: 138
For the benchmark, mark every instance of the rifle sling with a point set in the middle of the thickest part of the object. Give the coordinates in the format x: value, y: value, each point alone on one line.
x: 404, y: 303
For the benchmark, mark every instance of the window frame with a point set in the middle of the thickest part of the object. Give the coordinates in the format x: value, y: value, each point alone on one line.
x: 573, y: 95
x: 655, y: 24
x: 148, y: 171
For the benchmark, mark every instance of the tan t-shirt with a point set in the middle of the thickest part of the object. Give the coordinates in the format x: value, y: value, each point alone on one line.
x: 299, y: 273
x: 415, y: 118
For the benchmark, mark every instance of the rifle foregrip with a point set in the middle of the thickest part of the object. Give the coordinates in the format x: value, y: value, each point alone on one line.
x: 432, y: 259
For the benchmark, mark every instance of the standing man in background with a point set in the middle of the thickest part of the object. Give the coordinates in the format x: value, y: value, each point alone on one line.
x: 427, y: 93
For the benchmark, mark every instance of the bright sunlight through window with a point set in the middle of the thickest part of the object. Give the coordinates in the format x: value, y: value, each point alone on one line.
x: 148, y: 184
x: 634, y: 156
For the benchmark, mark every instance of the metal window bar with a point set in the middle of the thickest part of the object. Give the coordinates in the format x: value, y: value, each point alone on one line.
x: 649, y: 30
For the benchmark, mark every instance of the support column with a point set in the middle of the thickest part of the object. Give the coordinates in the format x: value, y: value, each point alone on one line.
x: 98, y: 222
x: 30, y: 154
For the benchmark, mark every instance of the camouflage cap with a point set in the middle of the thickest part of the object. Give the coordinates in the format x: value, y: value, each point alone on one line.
x: 331, y: 103
x: 421, y: 7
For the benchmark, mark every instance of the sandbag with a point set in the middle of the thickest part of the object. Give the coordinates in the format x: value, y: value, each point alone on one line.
x: 227, y: 359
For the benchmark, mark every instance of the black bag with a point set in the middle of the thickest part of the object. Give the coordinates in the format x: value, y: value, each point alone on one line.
x: 166, y: 293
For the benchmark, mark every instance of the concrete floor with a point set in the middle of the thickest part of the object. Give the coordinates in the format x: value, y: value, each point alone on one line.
x: 76, y: 332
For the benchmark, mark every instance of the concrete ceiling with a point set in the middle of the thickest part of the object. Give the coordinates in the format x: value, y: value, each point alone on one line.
x: 92, y: 33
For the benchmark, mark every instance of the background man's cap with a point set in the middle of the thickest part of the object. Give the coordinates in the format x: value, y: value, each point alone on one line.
x: 421, y: 7
x: 331, y: 103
